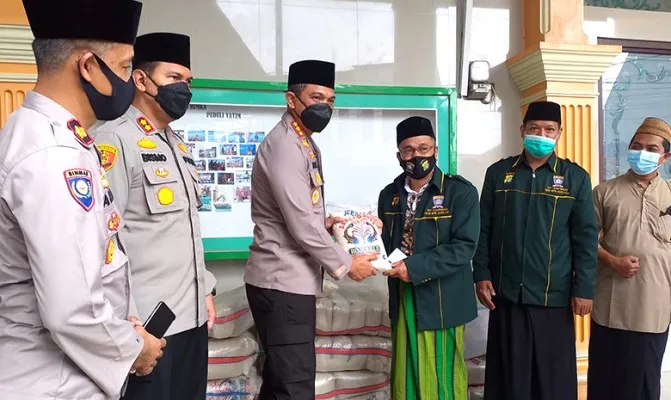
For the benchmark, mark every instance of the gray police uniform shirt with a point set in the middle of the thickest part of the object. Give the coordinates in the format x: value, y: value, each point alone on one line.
x: 156, y: 188
x: 291, y: 244
x: 64, y: 279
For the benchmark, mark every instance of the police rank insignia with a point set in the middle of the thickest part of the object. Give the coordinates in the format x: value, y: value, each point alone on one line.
x: 438, y: 201
x: 509, y: 177
x: 108, y: 155
x: 80, y: 184
x: 297, y: 128
x: 161, y: 172
x: 315, y: 197
x: 305, y: 143
x: 145, y: 125
x: 146, y: 143
x: 182, y: 147
x: 318, y: 177
x: 557, y: 181
x: 81, y: 134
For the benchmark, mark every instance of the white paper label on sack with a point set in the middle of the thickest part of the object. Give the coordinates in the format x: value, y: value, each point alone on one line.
x: 382, y: 264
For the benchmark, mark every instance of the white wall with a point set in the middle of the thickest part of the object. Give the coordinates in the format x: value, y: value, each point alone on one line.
x: 400, y: 42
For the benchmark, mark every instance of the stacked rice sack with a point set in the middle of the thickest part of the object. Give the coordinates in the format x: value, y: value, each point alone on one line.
x: 353, y: 343
x: 475, y: 347
x: 233, y: 350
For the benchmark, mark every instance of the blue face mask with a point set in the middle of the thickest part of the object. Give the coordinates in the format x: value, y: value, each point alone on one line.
x: 539, y: 146
x: 643, y: 162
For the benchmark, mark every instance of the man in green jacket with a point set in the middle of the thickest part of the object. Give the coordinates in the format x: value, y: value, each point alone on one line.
x: 535, y: 264
x: 433, y: 218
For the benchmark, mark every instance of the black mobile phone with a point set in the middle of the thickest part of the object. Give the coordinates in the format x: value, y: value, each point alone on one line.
x: 159, y: 320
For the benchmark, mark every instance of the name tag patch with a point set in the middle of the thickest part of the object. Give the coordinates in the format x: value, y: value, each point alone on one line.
x: 80, y: 185
x: 154, y: 157
x: 437, y: 212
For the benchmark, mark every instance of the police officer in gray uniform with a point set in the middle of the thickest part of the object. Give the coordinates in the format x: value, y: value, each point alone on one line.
x: 158, y: 195
x: 65, y: 331
x: 292, y: 242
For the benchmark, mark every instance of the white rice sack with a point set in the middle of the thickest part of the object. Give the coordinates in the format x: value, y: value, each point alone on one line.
x: 358, y: 234
x: 228, y: 358
x: 238, y: 388
x: 355, y: 309
x: 475, y: 334
x: 476, y: 370
x: 233, y: 314
x: 353, y: 353
x: 347, y: 385
x: 328, y: 288
x: 476, y: 393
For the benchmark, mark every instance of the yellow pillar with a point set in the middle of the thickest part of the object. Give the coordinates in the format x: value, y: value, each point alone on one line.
x: 17, y: 64
x: 558, y: 64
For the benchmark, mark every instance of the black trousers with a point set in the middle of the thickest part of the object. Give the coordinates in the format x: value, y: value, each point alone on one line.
x: 531, y: 353
x: 181, y: 374
x: 624, y: 365
x: 286, y: 324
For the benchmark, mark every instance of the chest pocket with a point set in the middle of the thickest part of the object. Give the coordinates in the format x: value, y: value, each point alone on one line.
x: 195, y: 183
x: 432, y: 228
x: 163, y: 190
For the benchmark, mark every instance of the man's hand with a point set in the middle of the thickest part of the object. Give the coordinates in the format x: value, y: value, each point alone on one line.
x: 581, y: 306
x: 399, y: 270
x: 485, y: 292
x: 211, y: 311
x: 152, y: 350
x: 135, y: 320
x: 361, y: 267
x: 625, y: 266
x: 330, y: 221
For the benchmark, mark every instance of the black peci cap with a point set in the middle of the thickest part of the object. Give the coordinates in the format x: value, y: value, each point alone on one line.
x: 108, y: 20
x: 412, y: 127
x: 314, y: 72
x: 163, y: 47
x: 543, y: 111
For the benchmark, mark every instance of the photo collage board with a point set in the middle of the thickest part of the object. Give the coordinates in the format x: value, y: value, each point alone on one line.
x: 223, y: 141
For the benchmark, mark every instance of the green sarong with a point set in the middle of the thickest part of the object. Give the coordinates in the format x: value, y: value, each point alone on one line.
x: 427, y: 365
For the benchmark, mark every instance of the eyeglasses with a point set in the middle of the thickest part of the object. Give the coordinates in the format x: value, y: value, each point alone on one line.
x: 424, y: 150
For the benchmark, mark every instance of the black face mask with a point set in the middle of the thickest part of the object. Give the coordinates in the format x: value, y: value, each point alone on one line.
x: 174, y: 98
x: 315, y: 117
x: 418, y: 167
x: 108, y: 108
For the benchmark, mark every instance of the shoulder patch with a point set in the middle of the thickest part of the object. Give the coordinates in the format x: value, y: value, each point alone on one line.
x: 145, y: 125
x: 80, y: 185
x: 108, y: 155
x: 81, y: 135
